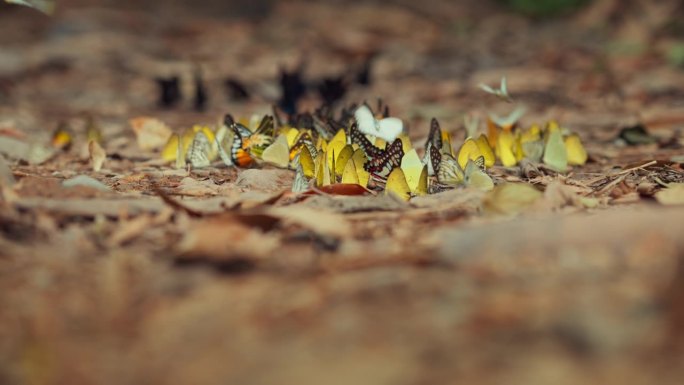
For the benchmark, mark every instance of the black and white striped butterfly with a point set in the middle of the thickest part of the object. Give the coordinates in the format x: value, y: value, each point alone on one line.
x: 387, y: 161
x: 433, y: 148
x: 368, y: 148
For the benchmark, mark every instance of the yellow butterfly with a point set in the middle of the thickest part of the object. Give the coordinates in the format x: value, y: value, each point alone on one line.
x: 486, y: 150
x: 555, y: 154
x: 469, y: 151
x: 349, y: 174
x: 343, y: 158
x: 307, y: 162
x: 359, y: 158
x: 475, y: 176
x: 577, y: 155
x: 397, y: 185
x: 170, y: 151
x: 62, y: 137
x: 335, y: 147
x: 278, y: 153
x: 505, y: 147
x: 412, y: 167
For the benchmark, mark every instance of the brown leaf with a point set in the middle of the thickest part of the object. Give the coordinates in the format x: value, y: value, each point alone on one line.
x: 226, y: 238
x: 340, y: 189
x: 265, y: 179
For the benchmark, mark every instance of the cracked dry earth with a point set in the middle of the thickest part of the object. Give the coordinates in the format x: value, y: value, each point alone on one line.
x: 220, y: 275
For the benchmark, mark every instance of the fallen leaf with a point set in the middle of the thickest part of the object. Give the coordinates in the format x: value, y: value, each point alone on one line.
x: 673, y: 194
x: 511, y: 198
x: 151, y: 133
x: 224, y: 239
x: 193, y: 187
x: 318, y: 221
x: 128, y: 230
x: 340, y: 189
x: 86, y: 181
x: 265, y: 180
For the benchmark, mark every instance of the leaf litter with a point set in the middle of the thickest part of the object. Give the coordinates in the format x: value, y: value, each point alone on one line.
x: 160, y: 233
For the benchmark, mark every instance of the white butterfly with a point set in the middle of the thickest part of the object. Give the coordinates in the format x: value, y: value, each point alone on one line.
x: 45, y: 6
x: 387, y: 128
x: 501, y: 92
x: 198, y: 152
x: 509, y: 120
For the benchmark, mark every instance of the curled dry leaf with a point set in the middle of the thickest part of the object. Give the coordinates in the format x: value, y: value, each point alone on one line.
x: 97, y: 155
x: 151, y: 133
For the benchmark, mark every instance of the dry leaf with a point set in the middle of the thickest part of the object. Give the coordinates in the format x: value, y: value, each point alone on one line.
x: 97, y: 155
x: 318, y: 221
x: 225, y: 238
x: 128, y: 230
x: 265, y: 180
x: 192, y: 187
x: 511, y: 198
x: 673, y: 194
x: 86, y: 181
x: 151, y: 133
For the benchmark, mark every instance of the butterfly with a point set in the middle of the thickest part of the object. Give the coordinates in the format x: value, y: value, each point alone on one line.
x: 555, y: 153
x: 198, y: 155
x: 432, y: 159
x: 449, y: 172
x: 435, y: 135
x: 246, y: 143
x: 387, y: 128
x: 508, y: 123
x: 304, y: 140
x: 278, y: 153
x: 45, y: 6
x: 389, y: 159
x: 397, y: 185
x: 301, y: 182
x: 368, y: 148
x: 501, y: 92
x: 415, y: 172
x: 577, y: 155
x: 62, y: 137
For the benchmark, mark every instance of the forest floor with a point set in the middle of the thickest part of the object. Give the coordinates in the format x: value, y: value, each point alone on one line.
x: 221, y: 275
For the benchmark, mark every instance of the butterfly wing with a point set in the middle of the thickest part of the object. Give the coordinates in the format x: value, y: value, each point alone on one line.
x: 199, y: 150
x: 389, y: 128
x: 363, y: 142
x: 301, y: 182
x: 435, y: 135
x: 238, y: 154
x: 449, y: 172
x: 384, y: 164
x: 266, y: 126
x: 365, y: 120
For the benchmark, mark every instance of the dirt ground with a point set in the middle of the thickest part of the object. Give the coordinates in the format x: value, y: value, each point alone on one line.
x: 221, y: 275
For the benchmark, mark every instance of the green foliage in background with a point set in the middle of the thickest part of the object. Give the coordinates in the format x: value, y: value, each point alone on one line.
x: 543, y: 8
